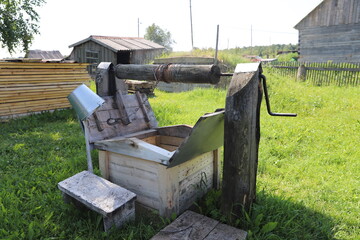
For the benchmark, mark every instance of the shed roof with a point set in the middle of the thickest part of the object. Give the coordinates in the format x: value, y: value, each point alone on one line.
x: 55, y: 54
x: 121, y: 43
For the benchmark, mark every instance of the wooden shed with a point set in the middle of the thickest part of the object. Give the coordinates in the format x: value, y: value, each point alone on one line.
x: 331, y: 32
x: 124, y: 50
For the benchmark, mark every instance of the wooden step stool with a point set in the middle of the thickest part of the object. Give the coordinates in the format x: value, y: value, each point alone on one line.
x: 194, y: 226
x: 114, y: 203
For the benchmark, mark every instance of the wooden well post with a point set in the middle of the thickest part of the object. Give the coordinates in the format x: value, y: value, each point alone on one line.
x: 241, y: 139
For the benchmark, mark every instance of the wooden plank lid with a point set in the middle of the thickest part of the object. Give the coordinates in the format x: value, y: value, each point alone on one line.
x: 120, y: 115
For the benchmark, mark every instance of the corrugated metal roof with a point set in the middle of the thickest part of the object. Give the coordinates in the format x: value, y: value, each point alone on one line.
x: 44, y: 54
x: 121, y: 43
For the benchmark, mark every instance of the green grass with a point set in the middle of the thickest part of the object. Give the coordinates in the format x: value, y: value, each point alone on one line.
x: 312, y: 160
x: 186, y: 107
x: 308, y: 176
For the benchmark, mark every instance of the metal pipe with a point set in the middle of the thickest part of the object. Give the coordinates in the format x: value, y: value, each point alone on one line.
x: 217, y: 46
x: 88, y: 153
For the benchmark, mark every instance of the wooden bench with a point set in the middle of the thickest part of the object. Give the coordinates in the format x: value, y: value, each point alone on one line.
x: 114, y: 203
x: 194, y: 226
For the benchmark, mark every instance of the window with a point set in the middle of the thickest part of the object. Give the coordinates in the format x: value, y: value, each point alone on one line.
x: 92, y: 57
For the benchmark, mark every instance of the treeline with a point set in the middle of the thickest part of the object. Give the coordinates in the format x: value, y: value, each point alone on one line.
x: 264, y: 51
x: 237, y: 55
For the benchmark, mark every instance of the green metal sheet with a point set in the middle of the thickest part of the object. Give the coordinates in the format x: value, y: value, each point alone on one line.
x: 207, y: 135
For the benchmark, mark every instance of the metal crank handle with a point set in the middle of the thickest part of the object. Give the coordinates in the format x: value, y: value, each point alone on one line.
x: 268, y: 102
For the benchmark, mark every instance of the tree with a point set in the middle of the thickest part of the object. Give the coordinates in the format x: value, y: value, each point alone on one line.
x: 160, y: 36
x: 18, y: 23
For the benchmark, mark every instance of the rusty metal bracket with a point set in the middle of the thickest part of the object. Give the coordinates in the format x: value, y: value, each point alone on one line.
x: 161, y: 73
x: 263, y: 78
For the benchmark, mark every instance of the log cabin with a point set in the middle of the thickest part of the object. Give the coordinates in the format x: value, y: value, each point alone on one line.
x: 331, y: 32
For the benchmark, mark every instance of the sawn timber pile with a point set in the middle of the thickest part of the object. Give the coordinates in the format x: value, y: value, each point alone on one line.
x: 27, y: 88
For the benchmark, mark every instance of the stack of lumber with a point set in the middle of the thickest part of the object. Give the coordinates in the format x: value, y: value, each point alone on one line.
x: 140, y: 86
x: 27, y: 88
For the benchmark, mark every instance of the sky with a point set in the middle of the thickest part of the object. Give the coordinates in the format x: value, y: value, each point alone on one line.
x: 241, y: 23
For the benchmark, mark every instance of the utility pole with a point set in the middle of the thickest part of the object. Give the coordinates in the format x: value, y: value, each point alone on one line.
x: 138, y: 27
x: 251, y: 34
x: 192, y: 38
x: 217, y: 45
x: 251, y: 39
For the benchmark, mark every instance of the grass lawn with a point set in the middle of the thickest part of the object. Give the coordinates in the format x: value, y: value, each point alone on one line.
x: 308, y: 175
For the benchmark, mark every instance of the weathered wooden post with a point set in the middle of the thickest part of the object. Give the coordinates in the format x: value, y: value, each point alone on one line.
x: 301, y: 74
x: 241, y: 139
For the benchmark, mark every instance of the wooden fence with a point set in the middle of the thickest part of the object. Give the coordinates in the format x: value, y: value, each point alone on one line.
x: 321, y: 74
x: 27, y: 88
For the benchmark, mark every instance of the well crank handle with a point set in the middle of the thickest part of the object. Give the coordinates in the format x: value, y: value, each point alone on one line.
x: 268, y: 102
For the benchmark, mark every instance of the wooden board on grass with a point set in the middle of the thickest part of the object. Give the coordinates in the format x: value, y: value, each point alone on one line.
x: 191, y: 225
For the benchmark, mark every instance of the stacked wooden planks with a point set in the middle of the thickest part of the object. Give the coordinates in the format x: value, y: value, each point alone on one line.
x: 27, y: 88
x: 141, y: 86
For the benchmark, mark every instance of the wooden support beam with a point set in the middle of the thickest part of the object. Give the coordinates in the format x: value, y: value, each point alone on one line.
x: 142, y: 106
x: 122, y: 109
x: 241, y: 141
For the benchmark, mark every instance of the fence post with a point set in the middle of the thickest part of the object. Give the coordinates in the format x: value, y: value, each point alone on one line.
x: 301, y: 74
x: 241, y: 139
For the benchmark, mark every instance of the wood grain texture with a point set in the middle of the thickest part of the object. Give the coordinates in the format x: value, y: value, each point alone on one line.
x: 27, y: 88
x: 114, y: 203
x: 331, y: 32
x: 166, y: 190
x: 131, y: 122
x: 136, y: 148
x: 95, y: 192
x: 241, y: 142
x: 104, y: 164
x: 194, y: 226
x: 137, y: 175
x: 332, y: 12
x: 169, y: 73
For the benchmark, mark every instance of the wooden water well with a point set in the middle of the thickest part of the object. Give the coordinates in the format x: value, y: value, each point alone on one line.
x: 167, y: 167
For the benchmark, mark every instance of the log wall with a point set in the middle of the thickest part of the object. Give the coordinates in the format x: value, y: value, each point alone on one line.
x: 27, y: 88
x: 332, y: 13
x: 331, y: 32
x: 338, y: 43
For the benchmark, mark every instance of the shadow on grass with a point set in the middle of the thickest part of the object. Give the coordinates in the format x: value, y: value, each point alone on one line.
x: 273, y: 217
x: 39, y: 151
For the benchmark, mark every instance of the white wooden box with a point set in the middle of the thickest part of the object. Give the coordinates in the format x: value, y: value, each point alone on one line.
x: 168, y: 168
